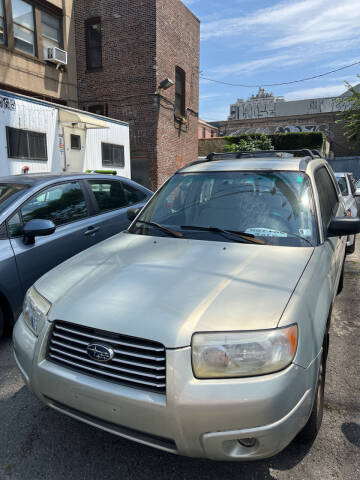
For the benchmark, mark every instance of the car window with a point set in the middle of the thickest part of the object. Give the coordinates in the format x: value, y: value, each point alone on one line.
x: 63, y: 203
x: 132, y: 194
x: 327, y: 195
x: 9, y: 192
x: 15, y: 226
x: 275, y: 206
x: 109, y: 194
x: 352, y: 184
x: 343, y: 186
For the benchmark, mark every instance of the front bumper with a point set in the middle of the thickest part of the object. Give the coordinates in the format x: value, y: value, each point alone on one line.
x: 198, y: 418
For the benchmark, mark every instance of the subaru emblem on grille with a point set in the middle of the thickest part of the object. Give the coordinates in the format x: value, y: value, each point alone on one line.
x: 101, y: 353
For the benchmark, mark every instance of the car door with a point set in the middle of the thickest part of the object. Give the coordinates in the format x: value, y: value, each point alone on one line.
x: 65, y: 204
x: 330, y: 207
x: 111, y: 199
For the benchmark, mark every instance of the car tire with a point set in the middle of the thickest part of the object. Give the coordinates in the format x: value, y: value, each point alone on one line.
x: 351, y: 249
x: 312, y: 427
x: 341, y: 281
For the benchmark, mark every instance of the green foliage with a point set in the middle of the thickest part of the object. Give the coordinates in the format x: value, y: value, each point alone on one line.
x: 281, y: 141
x: 104, y: 172
x: 350, y: 117
x: 262, y: 142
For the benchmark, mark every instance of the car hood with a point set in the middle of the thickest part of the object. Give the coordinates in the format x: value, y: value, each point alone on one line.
x: 165, y: 289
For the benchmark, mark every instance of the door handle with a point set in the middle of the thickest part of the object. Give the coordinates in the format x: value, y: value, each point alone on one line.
x: 91, y: 230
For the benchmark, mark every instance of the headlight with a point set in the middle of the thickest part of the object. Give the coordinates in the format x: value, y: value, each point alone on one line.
x: 35, y: 309
x: 243, y: 354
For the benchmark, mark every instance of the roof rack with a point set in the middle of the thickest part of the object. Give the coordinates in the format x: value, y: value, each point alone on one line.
x: 262, y: 153
x: 304, y: 152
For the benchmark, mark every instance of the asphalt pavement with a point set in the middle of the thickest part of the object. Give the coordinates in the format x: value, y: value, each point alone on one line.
x: 39, y: 443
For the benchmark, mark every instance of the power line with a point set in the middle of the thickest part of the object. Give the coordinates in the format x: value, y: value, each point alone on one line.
x: 281, y: 83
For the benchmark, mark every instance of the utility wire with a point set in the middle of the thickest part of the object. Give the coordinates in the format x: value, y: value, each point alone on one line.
x: 282, y: 83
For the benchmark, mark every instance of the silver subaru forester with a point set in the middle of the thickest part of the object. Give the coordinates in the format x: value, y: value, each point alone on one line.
x: 203, y: 329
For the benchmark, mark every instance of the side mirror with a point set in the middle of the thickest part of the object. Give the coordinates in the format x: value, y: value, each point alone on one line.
x: 132, y: 213
x: 37, y: 228
x: 340, y: 227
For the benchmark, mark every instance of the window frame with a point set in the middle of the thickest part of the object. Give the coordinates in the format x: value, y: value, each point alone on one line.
x: 35, y: 31
x: 89, y: 206
x: 39, y: 159
x: 180, y: 97
x: 72, y: 136
x: 41, y: 34
x: 335, y: 208
x: 113, y: 145
x: 89, y: 22
x: 4, y: 18
x: 96, y: 207
x: 103, y: 106
x: 37, y: 7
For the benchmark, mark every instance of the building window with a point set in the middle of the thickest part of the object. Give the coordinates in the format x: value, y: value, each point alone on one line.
x: 212, y: 133
x: 2, y: 22
x: 112, y: 155
x: 93, y: 43
x: 180, y: 92
x: 24, y: 26
x: 203, y: 132
x: 51, y: 31
x: 26, y: 144
x: 98, y: 109
x: 75, y: 141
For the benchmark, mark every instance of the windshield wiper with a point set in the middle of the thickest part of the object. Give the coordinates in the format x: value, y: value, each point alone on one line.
x: 245, y: 237
x: 172, y: 232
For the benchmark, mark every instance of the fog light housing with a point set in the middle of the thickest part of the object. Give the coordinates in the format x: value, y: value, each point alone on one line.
x: 247, y: 442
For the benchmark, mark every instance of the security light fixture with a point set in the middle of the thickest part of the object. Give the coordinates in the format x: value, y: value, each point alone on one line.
x: 166, y: 83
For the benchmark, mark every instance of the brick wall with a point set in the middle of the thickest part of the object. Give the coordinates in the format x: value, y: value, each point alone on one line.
x: 178, y: 43
x: 142, y: 42
x: 210, y: 145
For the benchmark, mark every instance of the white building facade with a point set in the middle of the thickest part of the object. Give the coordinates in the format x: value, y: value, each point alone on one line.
x: 38, y: 136
x: 265, y: 104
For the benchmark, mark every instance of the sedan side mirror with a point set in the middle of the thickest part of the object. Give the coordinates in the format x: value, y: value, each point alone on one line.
x: 340, y: 227
x: 37, y: 228
x: 132, y: 213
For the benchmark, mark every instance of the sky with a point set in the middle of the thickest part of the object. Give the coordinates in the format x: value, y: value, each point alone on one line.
x: 270, y: 41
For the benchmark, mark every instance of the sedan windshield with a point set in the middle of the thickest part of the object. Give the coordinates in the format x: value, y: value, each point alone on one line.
x: 9, y: 192
x: 259, y: 207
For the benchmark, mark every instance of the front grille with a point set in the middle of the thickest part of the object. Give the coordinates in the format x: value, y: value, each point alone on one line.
x: 138, y: 363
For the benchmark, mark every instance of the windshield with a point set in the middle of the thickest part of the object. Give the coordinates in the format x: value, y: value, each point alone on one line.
x: 276, y: 207
x: 9, y: 192
x: 343, y: 186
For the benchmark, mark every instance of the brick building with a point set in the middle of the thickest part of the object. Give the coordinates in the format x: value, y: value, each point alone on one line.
x: 27, y: 30
x: 126, y: 51
x: 205, y: 130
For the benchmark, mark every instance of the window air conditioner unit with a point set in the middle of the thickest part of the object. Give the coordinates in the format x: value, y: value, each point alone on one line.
x: 56, y: 55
